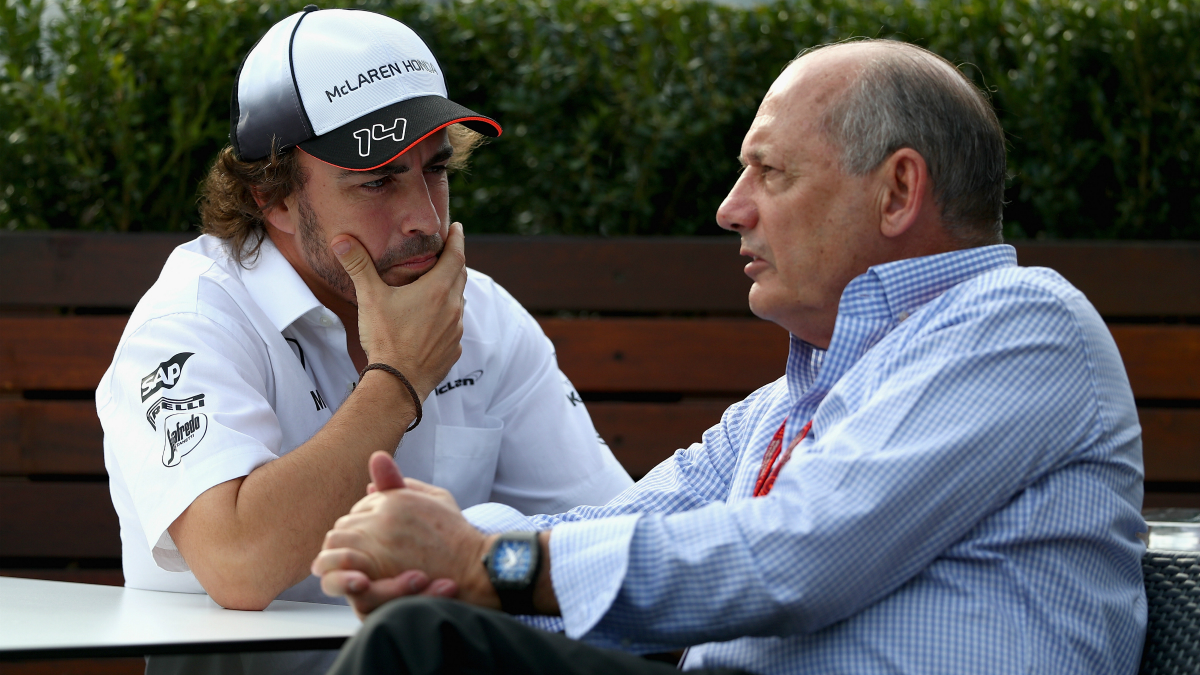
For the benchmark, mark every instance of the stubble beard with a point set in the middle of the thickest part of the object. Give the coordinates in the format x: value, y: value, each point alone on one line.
x: 322, y: 261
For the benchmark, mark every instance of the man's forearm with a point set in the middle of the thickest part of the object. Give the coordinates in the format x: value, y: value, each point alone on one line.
x: 249, y: 539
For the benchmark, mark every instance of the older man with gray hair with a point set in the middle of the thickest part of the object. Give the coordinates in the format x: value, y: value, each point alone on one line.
x: 947, y: 479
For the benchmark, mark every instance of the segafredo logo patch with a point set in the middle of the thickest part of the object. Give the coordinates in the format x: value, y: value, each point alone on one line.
x: 165, y: 376
x: 183, y: 432
x: 164, y: 403
x: 378, y: 132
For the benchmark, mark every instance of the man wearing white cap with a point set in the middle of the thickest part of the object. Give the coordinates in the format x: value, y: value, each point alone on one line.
x: 326, y: 314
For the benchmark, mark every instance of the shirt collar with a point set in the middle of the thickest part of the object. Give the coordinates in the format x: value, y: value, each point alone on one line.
x: 908, y: 285
x: 873, y: 304
x: 277, y: 288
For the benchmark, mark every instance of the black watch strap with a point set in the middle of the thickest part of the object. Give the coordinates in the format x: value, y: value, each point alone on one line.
x: 515, y: 601
x: 516, y: 595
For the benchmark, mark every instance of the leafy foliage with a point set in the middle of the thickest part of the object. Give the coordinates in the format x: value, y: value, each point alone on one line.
x: 620, y: 116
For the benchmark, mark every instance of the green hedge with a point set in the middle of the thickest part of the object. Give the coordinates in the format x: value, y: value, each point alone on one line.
x: 620, y: 116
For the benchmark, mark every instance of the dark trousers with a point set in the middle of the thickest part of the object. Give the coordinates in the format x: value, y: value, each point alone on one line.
x: 423, y: 636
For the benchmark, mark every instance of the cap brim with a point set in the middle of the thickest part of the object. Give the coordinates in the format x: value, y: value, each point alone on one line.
x: 379, y: 137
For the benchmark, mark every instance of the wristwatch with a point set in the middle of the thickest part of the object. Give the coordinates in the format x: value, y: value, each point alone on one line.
x: 512, y: 565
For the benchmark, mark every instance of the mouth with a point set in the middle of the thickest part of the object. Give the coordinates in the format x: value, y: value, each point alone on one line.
x: 417, y: 263
x: 756, y: 265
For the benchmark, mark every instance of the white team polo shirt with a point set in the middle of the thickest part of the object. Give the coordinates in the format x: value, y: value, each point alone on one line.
x: 223, y: 369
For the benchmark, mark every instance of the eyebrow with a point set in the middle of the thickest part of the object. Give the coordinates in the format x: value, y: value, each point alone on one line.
x: 442, y: 155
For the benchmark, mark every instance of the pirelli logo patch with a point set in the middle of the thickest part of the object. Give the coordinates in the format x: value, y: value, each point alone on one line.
x: 172, y: 404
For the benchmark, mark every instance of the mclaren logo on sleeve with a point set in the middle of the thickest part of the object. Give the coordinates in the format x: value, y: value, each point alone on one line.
x: 165, y: 376
x: 183, y: 432
x: 164, y: 403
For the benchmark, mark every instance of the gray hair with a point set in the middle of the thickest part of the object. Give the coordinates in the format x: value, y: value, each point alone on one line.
x: 904, y: 98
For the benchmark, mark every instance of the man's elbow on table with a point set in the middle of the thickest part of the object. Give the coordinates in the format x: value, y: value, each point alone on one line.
x: 241, y: 596
x: 228, y: 559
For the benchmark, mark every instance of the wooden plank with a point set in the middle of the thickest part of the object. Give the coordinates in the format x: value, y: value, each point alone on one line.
x: 1162, y: 361
x: 64, y: 437
x: 1171, y: 444
x: 641, y: 435
x: 1125, y: 278
x: 673, y: 355
x: 1171, y: 500
x: 50, y: 437
x: 44, y: 519
x: 678, y: 274
x: 58, y: 353
x: 545, y: 273
x: 649, y: 274
x: 71, y: 353
x: 689, y: 356
x: 601, y: 355
x: 76, y: 269
x: 105, y: 577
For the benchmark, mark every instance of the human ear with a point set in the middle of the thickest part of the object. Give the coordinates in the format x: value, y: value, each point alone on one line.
x: 280, y: 215
x: 906, y: 190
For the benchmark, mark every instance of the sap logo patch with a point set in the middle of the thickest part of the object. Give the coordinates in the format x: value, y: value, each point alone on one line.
x: 164, y: 403
x: 183, y: 432
x: 165, y: 376
x: 469, y: 380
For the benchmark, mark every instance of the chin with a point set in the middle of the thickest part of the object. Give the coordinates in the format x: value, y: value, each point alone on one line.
x: 779, y: 309
x: 397, y: 277
x: 762, y: 304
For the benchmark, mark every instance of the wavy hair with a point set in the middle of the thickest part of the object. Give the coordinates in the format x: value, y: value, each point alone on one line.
x: 229, y: 210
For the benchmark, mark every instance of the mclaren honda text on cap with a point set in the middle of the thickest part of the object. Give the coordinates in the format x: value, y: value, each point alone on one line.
x: 352, y: 88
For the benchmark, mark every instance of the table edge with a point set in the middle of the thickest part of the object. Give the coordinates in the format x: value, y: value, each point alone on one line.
x: 99, y: 651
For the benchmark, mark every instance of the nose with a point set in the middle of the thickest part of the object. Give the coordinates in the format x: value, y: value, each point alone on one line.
x: 419, y: 211
x: 738, y: 212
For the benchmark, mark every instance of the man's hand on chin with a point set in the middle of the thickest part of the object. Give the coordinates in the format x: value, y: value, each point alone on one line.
x: 404, y: 538
x: 416, y: 328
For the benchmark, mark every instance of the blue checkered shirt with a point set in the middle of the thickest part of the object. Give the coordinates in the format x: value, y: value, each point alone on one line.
x: 967, y: 500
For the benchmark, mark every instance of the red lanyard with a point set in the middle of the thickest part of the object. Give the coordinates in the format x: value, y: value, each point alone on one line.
x: 770, y: 470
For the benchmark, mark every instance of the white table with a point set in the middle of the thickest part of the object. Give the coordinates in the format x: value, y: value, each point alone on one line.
x: 55, y: 620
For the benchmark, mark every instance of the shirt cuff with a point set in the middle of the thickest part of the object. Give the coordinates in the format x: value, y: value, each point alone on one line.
x: 496, y: 518
x: 588, y: 561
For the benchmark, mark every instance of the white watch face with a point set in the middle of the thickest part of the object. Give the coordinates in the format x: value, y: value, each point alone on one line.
x: 512, y: 561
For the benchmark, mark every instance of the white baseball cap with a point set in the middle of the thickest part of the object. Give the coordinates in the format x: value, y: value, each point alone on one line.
x: 350, y: 87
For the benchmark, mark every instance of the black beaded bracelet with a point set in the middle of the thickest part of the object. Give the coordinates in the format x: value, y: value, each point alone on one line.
x: 407, y: 385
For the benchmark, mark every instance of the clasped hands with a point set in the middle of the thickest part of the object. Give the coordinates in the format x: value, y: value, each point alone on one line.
x: 405, y: 537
